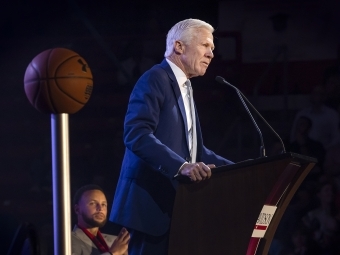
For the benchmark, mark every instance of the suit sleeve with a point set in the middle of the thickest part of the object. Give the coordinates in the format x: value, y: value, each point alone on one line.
x: 209, y: 157
x: 145, y: 108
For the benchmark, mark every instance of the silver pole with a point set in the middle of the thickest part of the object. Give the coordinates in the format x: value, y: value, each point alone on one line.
x: 61, y: 184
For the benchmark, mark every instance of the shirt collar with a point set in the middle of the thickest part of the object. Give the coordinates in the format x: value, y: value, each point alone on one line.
x: 179, y: 74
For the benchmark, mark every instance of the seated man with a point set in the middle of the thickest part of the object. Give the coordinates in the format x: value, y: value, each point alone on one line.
x: 90, y: 205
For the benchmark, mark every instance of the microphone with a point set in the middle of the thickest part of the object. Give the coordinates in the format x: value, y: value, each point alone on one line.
x: 242, y: 96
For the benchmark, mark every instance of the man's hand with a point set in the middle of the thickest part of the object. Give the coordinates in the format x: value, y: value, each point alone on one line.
x: 197, y: 171
x: 121, y: 243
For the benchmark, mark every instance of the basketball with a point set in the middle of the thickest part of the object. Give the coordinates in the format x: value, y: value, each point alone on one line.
x: 58, y: 81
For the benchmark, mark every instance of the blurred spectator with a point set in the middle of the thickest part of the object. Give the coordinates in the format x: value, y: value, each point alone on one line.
x: 305, y: 145
x: 332, y: 161
x: 332, y: 171
x: 325, y: 120
x: 301, y: 204
x: 301, y: 243
x: 134, y: 65
x: 321, y: 221
x: 332, y: 86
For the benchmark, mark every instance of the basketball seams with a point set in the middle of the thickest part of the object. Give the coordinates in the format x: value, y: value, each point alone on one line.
x: 72, y: 77
x: 51, y: 85
x: 39, y: 88
x: 67, y: 77
x: 60, y: 64
x: 65, y: 93
x: 61, y: 77
x: 48, y: 82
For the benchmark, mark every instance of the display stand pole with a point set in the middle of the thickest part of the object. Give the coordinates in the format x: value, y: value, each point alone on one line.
x: 61, y: 184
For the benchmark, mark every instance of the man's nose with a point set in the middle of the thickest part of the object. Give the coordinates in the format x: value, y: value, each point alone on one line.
x: 210, y: 54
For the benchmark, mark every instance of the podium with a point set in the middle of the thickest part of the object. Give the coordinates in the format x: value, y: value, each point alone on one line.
x: 228, y: 214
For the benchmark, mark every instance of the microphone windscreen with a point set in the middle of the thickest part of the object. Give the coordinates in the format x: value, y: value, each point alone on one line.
x: 219, y: 79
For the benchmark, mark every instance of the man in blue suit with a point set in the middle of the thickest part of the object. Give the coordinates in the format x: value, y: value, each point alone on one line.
x: 163, y: 139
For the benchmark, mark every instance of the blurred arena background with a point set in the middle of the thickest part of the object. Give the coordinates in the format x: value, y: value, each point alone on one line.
x: 274, y: 51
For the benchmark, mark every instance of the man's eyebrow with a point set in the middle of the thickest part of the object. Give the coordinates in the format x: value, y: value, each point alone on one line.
x: 210, y: 42
x: 97, y: 200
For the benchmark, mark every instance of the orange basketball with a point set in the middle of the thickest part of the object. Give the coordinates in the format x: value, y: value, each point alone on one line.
x: 58, y: 81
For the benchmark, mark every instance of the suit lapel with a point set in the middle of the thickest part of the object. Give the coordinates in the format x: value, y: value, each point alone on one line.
x: 178, y: 95
x: 82, y: 236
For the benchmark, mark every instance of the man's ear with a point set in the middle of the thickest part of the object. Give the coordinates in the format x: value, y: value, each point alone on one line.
x: 76, y: 209
x: 179, y: 47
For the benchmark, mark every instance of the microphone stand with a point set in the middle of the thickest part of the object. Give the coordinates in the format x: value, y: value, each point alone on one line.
x: 262, y: 148
x: 242, y: 96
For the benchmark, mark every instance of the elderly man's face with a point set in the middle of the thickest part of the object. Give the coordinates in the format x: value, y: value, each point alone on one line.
x: 92, y: 209
x: 197, y: 56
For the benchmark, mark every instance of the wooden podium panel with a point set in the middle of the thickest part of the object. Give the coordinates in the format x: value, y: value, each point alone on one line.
x: 218, y: 216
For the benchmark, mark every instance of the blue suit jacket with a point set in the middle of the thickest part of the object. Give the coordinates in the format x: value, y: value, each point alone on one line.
x: 155, y: 136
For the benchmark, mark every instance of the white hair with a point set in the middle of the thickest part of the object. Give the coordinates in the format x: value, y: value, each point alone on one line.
x: 184, y: 31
